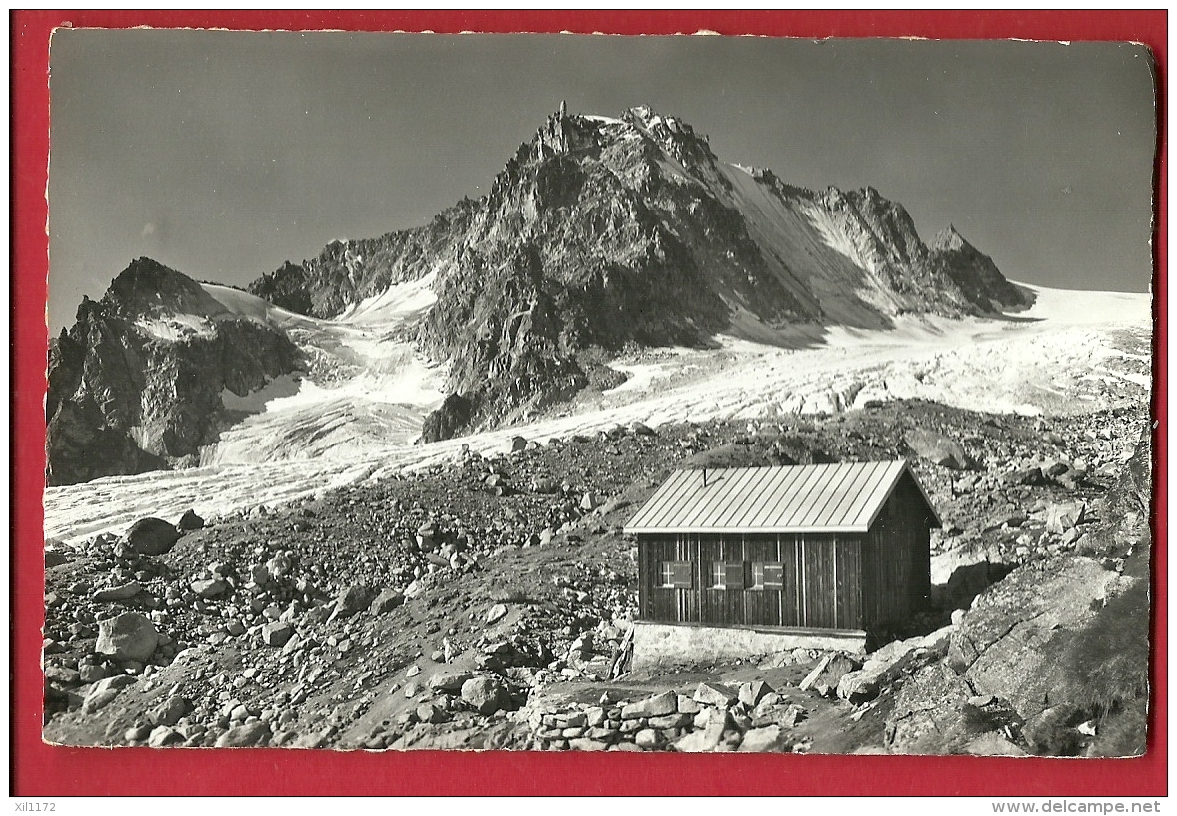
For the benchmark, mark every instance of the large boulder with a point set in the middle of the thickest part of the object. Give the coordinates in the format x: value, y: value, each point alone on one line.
x: 245, y: 736
x: 277, y: 633
x: 351, y: 601
x: 486, y: 695
x: 121, y: 592
x: 387, y: 600
x: 703, y: 739
x: 170, y: 711
x: 150, y: 536
x: 890, y: 662
x: 208, y: 588
x: 190, y: 521
x: 128, y: 636
x: 450, y: 682
x: 767, y: 738
x: 716, y: 694
x: 937, y: 448
x: 1062, y: 516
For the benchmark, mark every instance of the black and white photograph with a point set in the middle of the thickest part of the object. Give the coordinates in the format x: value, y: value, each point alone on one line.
x: 561, y: 392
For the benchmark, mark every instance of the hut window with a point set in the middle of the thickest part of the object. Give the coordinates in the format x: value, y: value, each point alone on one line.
x: 676, y: 574
x: 735, y: 576
x: 767, y: 575
x: 774, y: 575
x: 726, y: 575
x: 718, y: 575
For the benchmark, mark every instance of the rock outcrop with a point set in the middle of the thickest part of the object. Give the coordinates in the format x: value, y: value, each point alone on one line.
x: 1056, y: 652
x: 136, y: 384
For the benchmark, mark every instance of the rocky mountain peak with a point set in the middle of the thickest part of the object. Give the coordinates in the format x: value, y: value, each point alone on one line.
x: 676, y: 137
x: 147, y: 287
x: 949, y: 240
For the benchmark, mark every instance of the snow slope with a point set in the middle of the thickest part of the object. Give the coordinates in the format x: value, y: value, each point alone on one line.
x: 366, y: 384
x: 1071, y: 352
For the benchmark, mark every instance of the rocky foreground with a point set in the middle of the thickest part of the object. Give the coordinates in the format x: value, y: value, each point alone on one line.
x: 485, y: 603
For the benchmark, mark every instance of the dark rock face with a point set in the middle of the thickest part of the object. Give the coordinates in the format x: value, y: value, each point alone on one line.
x: 600, y: 232
x: 448, y: 420
x: 973, y: 271
x: 126, y: 396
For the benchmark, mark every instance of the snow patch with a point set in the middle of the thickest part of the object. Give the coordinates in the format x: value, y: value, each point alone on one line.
x: 173, y: 328
x: 604, y: 120
x: 400, y: 302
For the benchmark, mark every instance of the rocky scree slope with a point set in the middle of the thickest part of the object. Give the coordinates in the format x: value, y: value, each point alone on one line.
x: 604, y: 232
x: 357, y: 618
x: 136, y: 384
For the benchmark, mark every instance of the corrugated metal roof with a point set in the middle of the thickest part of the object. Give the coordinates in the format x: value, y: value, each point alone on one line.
x: 844, y: 497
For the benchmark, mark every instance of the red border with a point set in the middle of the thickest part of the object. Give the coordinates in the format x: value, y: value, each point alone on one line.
x: 42, y: 770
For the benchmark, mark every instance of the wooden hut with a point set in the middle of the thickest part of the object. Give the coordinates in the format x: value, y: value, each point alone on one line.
x: 833, y: 551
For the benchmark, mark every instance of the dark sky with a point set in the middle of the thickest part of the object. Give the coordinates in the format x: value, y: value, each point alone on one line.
x: 222, y: 154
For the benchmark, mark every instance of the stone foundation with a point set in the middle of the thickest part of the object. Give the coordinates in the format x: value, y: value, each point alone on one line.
x: 656, y: 644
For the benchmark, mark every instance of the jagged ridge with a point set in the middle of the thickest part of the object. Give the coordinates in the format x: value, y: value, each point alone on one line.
x: 600, y: 232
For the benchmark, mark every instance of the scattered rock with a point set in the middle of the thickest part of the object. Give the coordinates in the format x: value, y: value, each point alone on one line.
x: 715, y: 694
x: 703, y: 739
x: 104, y: 691
x: 1053, y: 731
x: 496, y: 613
x: 245, y: 735
x: 163, y: 736
x: 170, y: 711
x: 811, y: 679
x: 767, y: 738
x: 430, y: 713
x: 486, y: 695
x: 63, y: 676
x: 885, y: 666
x: 657, y: 706
x: 387, y: 600
x: 277, y: 633
x: 190, y: 521
x: 929, y: 715
x: 208, y: 588
x: 121, y: 592
x: 128, y: 636
x: 751, y: 693
x: 351, y: 601
x: 545, y: 484
x: 937, y: 448
x: 993, y: 744
x: 150, y: 536
x: 1063, y: 516
x: 450, y: 682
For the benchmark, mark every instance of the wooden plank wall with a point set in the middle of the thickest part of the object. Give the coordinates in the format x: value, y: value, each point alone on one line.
x: 821, y: 579
x: 897, y: 559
